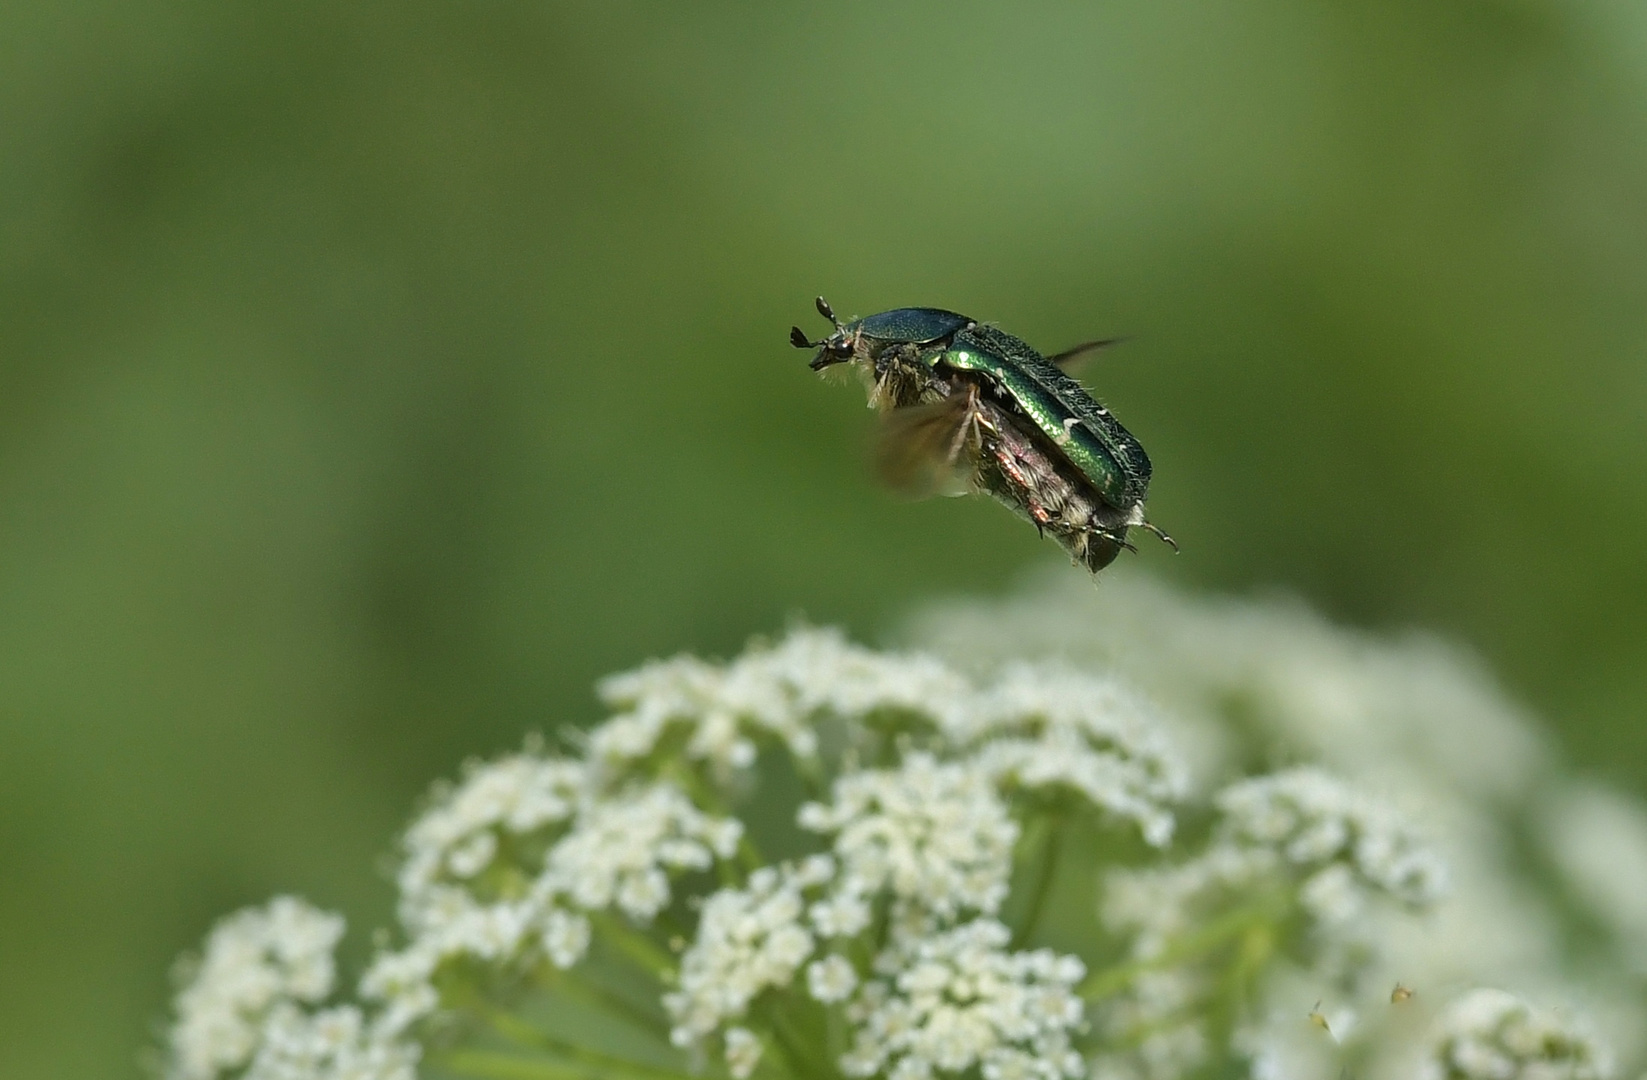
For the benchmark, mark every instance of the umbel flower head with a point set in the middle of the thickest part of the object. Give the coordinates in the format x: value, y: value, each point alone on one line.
x: 819, y: 861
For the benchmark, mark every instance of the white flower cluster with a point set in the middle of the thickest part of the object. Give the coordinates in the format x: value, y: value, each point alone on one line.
x: 1344, y: 840
x: 1033, y: 726
x: 748, y: 940
x: 936, y: 839
x: 883, y: 943
x: 622, y: 849
x: 933, y: 833
x: 717, y: 710
x: 1491, y: 1035
x: 247, y: 1007
x: 957, y: 999
x: 1303, y: 824
x: 512, y: 858
x: 444, y: 907
x: 1296, y: 839
x: 331, y: 1044
x: 1415, y: 719
x: 1263, y: 676
x: 1043, y: 727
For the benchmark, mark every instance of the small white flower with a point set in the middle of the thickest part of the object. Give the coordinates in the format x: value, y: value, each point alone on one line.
x: 1312, y: 819
x: 244, y: 1012
x: 600, y: 849
x: 958, y: 999
x: 334, y: 1044
x: 773, y: 692
x: 256, y: 961
x: 565, y: 938
x: 621, y: 846
x: 934, y: 833
x: 831, y: 979
x: 842, y: 915
x: 471, y: 856
x: 457, y: 833
x: 1492, y: 1035
x: 748, y: 940
x: 743, y: 1052
x: 1040, y: 727
x: 399, y: 982
x: 1332, y: 895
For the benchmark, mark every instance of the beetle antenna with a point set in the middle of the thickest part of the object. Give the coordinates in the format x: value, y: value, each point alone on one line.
x: 797, y: 338
x: 827, y: 312
x: 1165, y: 539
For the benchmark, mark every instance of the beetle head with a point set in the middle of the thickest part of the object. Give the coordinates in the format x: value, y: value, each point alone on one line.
x: 837, y: 348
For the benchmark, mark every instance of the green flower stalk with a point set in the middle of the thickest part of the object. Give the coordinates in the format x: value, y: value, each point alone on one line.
x: 820, y: 862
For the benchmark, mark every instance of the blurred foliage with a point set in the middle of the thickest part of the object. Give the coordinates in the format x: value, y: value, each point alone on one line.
x: 375, y: 376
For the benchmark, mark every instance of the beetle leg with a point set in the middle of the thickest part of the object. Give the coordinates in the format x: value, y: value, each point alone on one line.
x: 887, y: 377
x: 1165, y: 539
x: 878, y: 396
x: 969, y: 426
x: 1117, y: 538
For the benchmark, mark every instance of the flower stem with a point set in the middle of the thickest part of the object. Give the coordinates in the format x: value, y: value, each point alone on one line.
x: 813, y: 780
x: 531, y: 1037
x: 1219, y: 932
x: 1046, y: 842
x: 790, y: 1045
x: 494, y: 1065
x: 602, y: 1000
x: 639, y: 949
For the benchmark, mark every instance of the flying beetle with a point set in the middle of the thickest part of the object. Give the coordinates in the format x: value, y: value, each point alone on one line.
x: 968, y: 407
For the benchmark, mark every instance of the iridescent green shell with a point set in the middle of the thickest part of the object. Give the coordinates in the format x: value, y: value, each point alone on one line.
x: 1060, y: 408
x: 912, y: 326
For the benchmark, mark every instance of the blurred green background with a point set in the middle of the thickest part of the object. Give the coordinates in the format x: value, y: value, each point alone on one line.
x: 374, y: 377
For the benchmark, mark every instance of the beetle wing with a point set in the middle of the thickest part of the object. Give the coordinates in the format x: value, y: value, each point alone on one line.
x: 929, y: 449
x: 1073, y: 355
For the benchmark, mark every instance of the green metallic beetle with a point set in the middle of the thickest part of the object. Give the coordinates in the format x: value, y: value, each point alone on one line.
x: 970, y: 408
